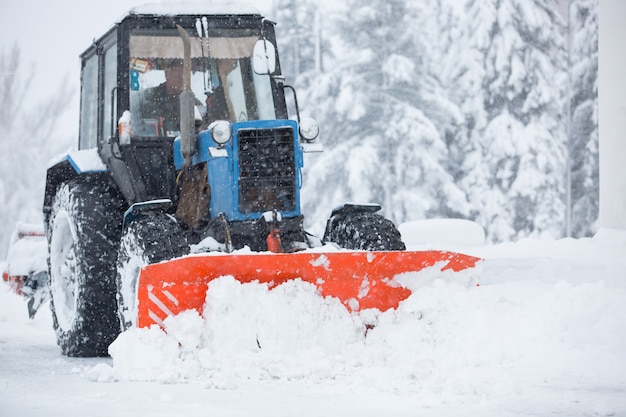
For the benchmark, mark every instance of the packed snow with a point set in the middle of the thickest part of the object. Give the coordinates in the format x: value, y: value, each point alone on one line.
x: 544, y: 333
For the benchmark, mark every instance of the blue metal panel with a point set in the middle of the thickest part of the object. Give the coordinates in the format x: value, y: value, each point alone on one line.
x: 178, y: 157
x: 220, y: 181
x: 223, y: 170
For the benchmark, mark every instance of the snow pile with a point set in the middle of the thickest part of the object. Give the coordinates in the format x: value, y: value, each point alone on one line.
x: 450, y: 231
x: 250, y: 332
x: 545, y: 333
x: 519, y: 335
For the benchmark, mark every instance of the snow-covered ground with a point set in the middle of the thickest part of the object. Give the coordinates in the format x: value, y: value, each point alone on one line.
x: 544, y: 334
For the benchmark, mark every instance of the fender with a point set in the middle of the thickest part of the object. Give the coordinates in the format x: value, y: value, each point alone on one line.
x: 68, y: 166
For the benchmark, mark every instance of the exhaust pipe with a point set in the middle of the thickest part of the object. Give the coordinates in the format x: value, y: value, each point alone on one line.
x: 187, y: 128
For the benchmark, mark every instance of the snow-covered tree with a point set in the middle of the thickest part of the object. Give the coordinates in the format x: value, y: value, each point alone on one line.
x: 28, y: 139
x: 507, y: 73
x: 385, y: 147
x: 445, y: 108
x: 584, y: 117
x: 483, y: 78
x: 299, y: 36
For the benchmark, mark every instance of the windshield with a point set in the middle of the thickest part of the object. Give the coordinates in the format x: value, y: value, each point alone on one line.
x: 223, y: 83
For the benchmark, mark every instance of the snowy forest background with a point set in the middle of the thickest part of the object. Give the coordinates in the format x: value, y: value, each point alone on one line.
x: 436, y: 108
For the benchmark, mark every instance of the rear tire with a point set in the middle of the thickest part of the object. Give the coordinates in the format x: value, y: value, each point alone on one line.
x: 149, y: 239
x: 83, y: 231
x: 363, y: 231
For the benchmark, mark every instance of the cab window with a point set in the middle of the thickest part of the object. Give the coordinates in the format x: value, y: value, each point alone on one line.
x: 89, y: 104
x: 222, y: 80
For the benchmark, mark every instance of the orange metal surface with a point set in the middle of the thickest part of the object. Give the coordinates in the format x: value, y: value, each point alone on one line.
x: 360, y: 280
x: 15, y: 282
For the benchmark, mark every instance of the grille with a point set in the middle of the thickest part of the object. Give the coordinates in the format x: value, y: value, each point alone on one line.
x: 267, y: 170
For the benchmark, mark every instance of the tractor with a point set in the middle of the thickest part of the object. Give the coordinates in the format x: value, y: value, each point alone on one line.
x: 189, y: 168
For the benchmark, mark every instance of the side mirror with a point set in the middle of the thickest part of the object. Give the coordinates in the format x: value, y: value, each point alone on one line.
x: 264, y: 57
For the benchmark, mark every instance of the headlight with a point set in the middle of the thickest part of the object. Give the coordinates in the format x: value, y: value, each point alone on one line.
x: 309, y: 129
x: 220, y: 131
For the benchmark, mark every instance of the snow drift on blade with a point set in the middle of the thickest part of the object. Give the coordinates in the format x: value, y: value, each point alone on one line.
x: 360, y: 280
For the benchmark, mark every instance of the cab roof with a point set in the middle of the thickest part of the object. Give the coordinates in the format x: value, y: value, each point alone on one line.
x: 166, y: 10
x: 170, y: 8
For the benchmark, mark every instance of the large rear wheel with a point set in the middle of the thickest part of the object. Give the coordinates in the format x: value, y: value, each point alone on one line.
x: 83, y: 231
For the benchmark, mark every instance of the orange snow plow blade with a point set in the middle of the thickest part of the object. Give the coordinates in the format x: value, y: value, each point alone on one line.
x: 360, y: 280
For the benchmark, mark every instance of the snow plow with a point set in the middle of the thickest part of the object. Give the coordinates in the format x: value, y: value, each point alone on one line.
x: 360, y: 280
x: 189, y: 169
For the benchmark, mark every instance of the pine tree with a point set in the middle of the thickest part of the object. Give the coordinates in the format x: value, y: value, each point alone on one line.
x: 509, y: 84
x: 299, y: 34
x: 425, y: 103
x: 27, y: 129
x: 584, y: 117
x: 376, y: 106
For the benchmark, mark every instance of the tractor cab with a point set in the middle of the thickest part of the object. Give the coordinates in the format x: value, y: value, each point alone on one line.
x: 168, y: 92
x: 223, y: 82
x: 137, y: 67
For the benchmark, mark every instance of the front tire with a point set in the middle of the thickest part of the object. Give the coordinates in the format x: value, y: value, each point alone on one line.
x: 363, y: 231
x: 83, y: 231
x: 149, y: 239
